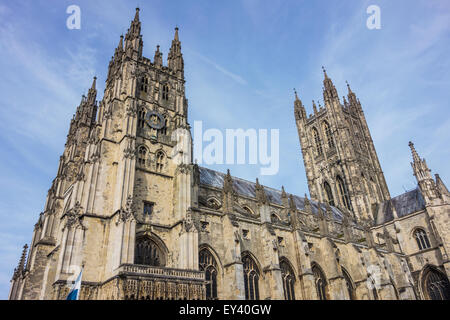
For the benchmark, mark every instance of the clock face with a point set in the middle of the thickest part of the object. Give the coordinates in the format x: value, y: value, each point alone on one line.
x: 158, y: 124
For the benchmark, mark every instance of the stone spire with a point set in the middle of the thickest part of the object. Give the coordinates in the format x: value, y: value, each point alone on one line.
x: 21, y: 266
x: 329, y: 91
x: 261, y: 196
x: 92, y: 93
x: 228, y: 183
x: 299, y: 109
x: 420, y: 168
x: 175, y: 60
x: 157, y: 60
x: 133, y: 38
x: 314, y: 107
x: 119, y: 50
x: 423, y: 176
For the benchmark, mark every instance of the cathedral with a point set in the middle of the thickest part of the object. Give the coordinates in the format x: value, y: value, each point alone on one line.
x: 141, y: 224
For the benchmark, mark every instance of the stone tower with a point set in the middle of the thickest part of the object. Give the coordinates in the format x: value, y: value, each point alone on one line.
x: 122, y: 167
x: 340, y: 159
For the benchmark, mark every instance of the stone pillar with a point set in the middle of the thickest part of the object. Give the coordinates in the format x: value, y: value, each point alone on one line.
x: 188, y: 244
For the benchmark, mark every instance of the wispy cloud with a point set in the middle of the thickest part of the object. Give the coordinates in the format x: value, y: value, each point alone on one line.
x: 226, y: 72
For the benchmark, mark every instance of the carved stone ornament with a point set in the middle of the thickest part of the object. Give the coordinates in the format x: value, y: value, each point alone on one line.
x: 74, y: 216
x: 127, y: 213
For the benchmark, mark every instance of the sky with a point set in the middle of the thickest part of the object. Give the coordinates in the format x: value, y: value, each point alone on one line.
x: 242, y: 61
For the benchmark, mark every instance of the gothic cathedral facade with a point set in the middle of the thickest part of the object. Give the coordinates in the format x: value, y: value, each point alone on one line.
x: 143, y: 224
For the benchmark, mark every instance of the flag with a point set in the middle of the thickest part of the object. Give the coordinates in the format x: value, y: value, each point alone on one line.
x: 76, y: 287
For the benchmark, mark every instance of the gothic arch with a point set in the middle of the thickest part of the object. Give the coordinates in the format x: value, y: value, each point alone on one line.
x: 421, y: 236
x: 209, y: 263
x: 274, y: 217
x: 213, y: 202
x: 252, y: 275
x: 288, y: 278
x: 328, y: 193
x: 349, y: 284
x: 150, y: 241
x: 317, y: 142
x: 214, y: 253
x: 248, y: 209
x: 343, y: 192
x: 328, y: 135
x: 142, y: 155
x: 434, y: 284
x: 320, y: 281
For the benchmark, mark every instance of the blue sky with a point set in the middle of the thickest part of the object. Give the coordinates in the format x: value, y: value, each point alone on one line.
x: 242, y: 60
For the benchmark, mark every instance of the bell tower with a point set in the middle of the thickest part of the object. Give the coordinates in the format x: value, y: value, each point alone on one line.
x: 341, y: 163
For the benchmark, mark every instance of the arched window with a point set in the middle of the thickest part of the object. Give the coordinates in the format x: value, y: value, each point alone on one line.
x: 251, y: 278
x: 141, y: 117
x: 165, y: 92
x: 144, y: 84
x: 329, y: 194
x: 435, y: 285
x: 142, y: 156
x: 422, y: 239
x: 349, y: 284
x: 320, y: 282
x: 159, y: 161
x: 328, y: 135
x: 208, y: 264
x: 317, y: 141
x: 288, y: 278
x: 343, y: 192
x: 147, y: 252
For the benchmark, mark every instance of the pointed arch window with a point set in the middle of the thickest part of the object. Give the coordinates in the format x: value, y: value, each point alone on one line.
x: 435, y: 284
x: 317, y: 141
x: 159, y: 161
x: 288, y: 278
x: 328, y: 134
x: 165, y: 92
x: 142, y: 156
x: 208, y: 264
x: 328, y: 193
x: 251, y: 278
x: 147, y: 252
x: 343, y: 192
x: 320, y: 282
x: 141, y: 117
x: 349, y: 284
x: 422, y: 239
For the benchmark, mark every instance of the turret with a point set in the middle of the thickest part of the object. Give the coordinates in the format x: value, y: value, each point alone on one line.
x: 423, y: 175
x: 299, y: 109
x: 175, y: 58
x: 158, y: 57
x: 329, y: 90
x: 133, y: 39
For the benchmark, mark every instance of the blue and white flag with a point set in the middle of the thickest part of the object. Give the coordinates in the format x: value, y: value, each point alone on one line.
x: 76, y: 287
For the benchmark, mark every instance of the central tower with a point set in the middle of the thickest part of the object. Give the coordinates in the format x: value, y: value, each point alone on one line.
x: 342, y: 166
